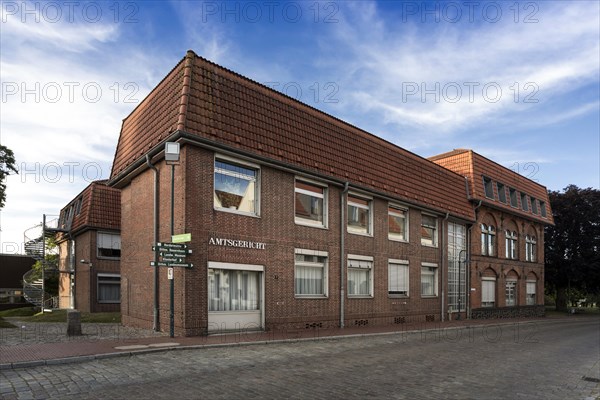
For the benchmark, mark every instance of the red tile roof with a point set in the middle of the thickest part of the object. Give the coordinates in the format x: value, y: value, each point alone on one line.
x: 100, y: 208
x: 475, y: 166
x: 206, y: 100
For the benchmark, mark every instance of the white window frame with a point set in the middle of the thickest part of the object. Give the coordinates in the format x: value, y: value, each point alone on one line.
x: 510, y: 301
x: 99, y: 282
x: 432, y: 268
x: 324, y: 266
x: 531, y: 297
x: 325, y: 196
x: 366, y: 263
x: 98, y: 233
x: 530, y: 248
x: 485, y: 301
x: 424, y: 241
x: 511, y: 243
x: 403, y: 277
x: 369, y: 207
x: 257, y: 183
x: 405, y: 210
x: 488, y: 240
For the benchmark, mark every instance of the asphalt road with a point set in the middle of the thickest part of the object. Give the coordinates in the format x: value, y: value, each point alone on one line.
x: 539, y: 360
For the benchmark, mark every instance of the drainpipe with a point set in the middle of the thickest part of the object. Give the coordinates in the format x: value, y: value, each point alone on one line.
x: 342, y: 251
x: 155, y: 325
x: 444, y: 262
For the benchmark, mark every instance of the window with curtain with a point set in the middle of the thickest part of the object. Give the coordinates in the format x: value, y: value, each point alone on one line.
x: 531, y: 292
x: 488, y: 292
x: 360, y: 277
x: 428, y: 280
x: 109, y: 288
x: 398, y: 278
x: 310, y: 273
x: 428, y: 230
x: 109, y: 245
x: 232, y: 290
x: 511, y: 293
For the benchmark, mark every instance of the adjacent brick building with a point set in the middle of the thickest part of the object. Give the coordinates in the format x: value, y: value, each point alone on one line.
x: 89, y: 250
x: 298, y: 219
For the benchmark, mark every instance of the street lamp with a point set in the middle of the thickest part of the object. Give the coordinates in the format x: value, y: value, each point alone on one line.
x: 172, y: 158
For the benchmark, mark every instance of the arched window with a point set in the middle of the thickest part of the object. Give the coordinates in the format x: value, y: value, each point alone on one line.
x: 488, y: 240
x: 531, y: 290
x: 511, y: 245
x: 530, y: 248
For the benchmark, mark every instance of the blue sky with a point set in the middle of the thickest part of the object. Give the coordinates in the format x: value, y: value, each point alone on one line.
x: 517, y: 81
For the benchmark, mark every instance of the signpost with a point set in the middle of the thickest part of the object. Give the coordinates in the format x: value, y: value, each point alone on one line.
x: 172, y: 255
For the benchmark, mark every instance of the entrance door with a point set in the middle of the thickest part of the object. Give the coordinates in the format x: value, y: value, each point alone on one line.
x: 235, y: 297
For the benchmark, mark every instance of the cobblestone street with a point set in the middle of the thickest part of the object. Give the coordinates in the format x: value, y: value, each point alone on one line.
x: 535, y: 360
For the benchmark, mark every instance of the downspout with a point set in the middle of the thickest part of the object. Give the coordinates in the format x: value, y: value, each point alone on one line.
x: 468, y: 274
x: 444, y: 264
x: 155, y: 325
x: 342, y: 252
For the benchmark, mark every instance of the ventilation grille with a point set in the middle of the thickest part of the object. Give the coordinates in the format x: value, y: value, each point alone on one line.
x: 430, y: 318
x: 314, y: 325
x: 399, y: 320
x: 361, y: 322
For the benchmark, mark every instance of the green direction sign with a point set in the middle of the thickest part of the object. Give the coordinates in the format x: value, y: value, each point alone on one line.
x: 173, y: 259
x: 169, y: 246
x: 171, y: 264
x: 174, y: 253
x: 184, y: 265
x: 181, y: 238
x: 159, y: 264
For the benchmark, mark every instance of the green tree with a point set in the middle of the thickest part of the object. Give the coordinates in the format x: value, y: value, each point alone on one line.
x: 7, y: 166
x: 572, y: 245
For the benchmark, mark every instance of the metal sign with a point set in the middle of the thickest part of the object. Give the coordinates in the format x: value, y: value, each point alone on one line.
x: 175, y: 253
x: 170, y: 246
x: 170, y: 273
x: 181, y: 238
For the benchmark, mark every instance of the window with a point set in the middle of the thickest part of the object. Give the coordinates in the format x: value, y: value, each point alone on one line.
x: 310, y: 204
x: 530, y: 248
x: 457, y: 266
x: 511, y: 245
x: 310, y: 273
x: 109, y: 245
x: 78, y: 206
x: 398, y: 277
x: 360, y: 279
x: 359, y: 215
x: 71, y: 256
x: 543, y: 209
x: 428, y: 230
x: 524, y: 204
x: 513, y: 197
x: 488, y: 292
x: 488, y: 240
x: 501, y: 192
x: 236, y: 187
x: 428, y: 279
x: 109, y: 288
x: 511, y: 293
x: 397, y: 223
x: 233, y: 290
x: 531, y: 293
x: 534, y: 206
x: 488, y: 187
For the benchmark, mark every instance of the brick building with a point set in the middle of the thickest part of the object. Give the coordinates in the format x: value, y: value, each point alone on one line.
x: 507, y: 244
x: 298, y: 219
x: 89, y: 250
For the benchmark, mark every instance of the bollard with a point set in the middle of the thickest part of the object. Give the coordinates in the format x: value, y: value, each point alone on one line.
x: 73, y: 323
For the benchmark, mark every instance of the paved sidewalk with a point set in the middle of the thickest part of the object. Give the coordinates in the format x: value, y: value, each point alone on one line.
x: 47, y: 344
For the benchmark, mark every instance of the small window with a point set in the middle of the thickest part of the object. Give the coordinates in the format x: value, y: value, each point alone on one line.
x: 543, y: 208
x: 511, y: 293
x: 429, y: 279
x: 501, y: 192
x: 534, y: 206
x: 109, y: 288
x: 488, y: 292
x: 397, y: 223
x: 530, y: 248
x: 511, y: 245
x: 513, y: 197
x: 236, y: 187
x: 78, y: 205
x: 531, y: 292
x: 109, y: 245
x: 428, y: 230
x: 360, y: 276
x: 398, y: 278
x: 359, y: 215
x: 524, y: 204
x: 310, y: 273
x: 488, y: 187
x: 310, y: 204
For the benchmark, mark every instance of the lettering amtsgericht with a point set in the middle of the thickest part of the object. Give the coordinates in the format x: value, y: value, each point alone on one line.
x: 237, y: 243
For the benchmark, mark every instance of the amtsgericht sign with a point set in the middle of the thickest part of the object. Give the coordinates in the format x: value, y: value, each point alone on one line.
x: 245, y: 244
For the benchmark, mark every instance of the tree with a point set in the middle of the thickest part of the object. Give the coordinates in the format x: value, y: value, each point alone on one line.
x: 7, y: 165
x: 572, y: 245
